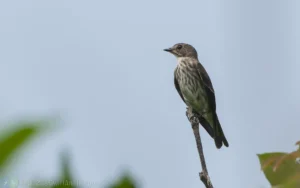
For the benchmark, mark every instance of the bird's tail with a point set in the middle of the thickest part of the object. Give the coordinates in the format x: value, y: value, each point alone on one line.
x: 219, y: 136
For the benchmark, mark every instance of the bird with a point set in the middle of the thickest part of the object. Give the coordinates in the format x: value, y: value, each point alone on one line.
x: 196, y: 90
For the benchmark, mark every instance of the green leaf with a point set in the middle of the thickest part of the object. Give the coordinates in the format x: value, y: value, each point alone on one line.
x: 66, y: 178
x: 283, y: 174
x: 124, y: 182
x: 294, y: 183
x: 298, y: 144
x: 13, y: 139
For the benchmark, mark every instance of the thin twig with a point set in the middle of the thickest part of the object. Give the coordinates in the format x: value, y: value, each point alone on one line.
x: 194, y: 120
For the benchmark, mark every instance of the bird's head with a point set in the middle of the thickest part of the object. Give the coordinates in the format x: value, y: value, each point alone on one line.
x: 183, y: 50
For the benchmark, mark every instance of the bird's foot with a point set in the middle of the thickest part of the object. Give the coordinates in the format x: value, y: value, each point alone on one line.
x: 194, y: 120
x: 192, y: 117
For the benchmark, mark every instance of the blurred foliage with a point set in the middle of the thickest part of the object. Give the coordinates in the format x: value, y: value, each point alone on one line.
x: 66, y: 179
x: 124, y: 182
x: 18, y: 135
x: 282, y: 169
x: 14, y: 139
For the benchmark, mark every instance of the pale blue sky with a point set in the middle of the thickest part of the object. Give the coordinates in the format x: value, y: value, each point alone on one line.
x: 100, y: 64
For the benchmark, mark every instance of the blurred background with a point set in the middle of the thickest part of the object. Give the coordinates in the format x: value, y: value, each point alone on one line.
x: 100, y: 67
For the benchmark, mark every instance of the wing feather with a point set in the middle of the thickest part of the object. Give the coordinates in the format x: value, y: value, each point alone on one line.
x: 208, y: 86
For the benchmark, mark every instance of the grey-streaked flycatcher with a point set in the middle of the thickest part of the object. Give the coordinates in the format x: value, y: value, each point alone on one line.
x: 196, y: 90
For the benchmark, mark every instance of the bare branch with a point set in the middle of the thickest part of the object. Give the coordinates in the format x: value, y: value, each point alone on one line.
x: 194, y: 120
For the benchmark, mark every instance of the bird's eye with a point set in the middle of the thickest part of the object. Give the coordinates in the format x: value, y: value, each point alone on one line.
x: 179, y: 47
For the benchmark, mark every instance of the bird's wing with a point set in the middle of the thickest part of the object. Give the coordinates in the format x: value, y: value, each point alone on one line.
x: 177, y: 85
x: 208, y: 86
x: 218, y: 132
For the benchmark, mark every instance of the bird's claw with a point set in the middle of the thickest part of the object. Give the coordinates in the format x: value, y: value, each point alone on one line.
x: 193, y: 118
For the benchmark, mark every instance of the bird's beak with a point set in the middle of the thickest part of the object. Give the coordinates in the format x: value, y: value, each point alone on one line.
x: 168, y: 50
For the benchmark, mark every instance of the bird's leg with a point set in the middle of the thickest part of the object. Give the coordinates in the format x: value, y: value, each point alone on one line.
x: 192, y: 117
